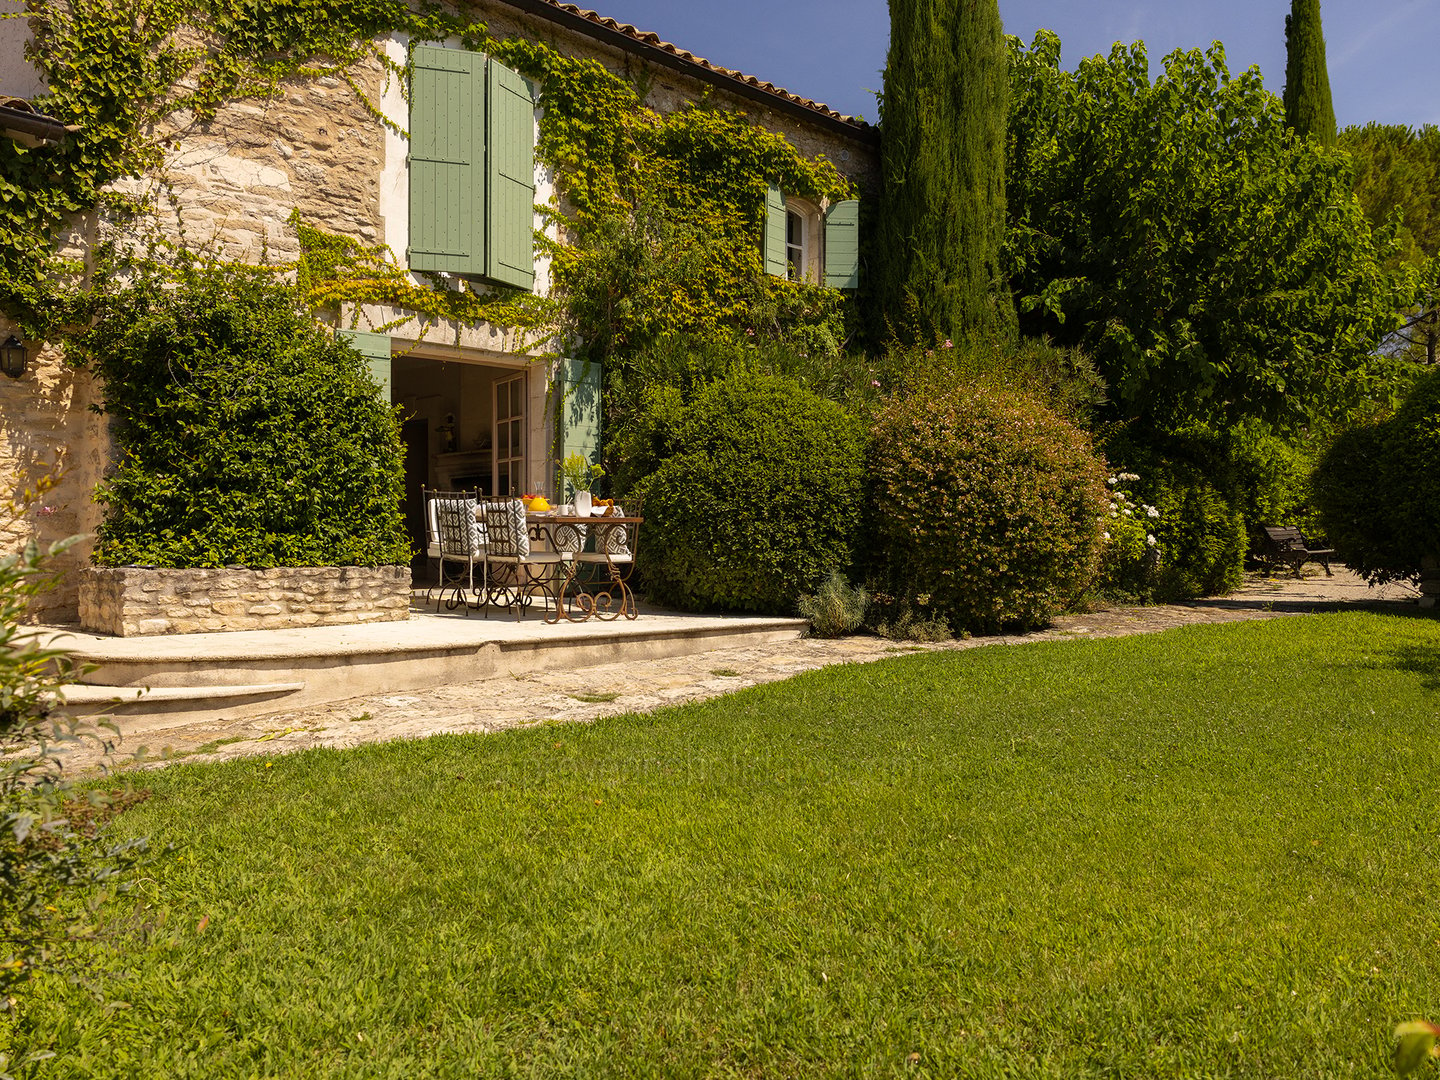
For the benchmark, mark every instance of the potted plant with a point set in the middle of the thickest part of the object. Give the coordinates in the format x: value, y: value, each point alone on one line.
x: 580, y: 474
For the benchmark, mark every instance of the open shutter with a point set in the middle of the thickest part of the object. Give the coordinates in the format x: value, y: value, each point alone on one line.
x: 375, y: 348
x: 775, y: 263
x: 447, y: 161
x: 511, y: 179
x: 842, y: 246
x: 578, y: 387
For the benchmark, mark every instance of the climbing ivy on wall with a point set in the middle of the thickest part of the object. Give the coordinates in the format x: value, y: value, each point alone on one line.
x: 119, y: 71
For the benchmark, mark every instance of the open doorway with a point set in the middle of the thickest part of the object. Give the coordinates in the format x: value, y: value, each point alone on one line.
x: 467, y: 425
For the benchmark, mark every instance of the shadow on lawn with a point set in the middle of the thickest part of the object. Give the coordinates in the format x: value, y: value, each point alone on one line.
x: 1420, y: 660
x: 1406, y: 607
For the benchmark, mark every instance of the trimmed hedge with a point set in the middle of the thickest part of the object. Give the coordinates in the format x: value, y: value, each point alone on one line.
x: 247, y: 433
x: 759, y: 500
x: 1378, y: 489
x: 990, y: 508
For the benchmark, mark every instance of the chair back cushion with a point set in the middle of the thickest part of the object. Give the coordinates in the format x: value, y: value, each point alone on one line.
x: 460, y: 533
x: 508, y: 532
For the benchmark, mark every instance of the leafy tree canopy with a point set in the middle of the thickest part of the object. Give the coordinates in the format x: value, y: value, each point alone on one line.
x: 1216, y: 267
x: 1397, y: 172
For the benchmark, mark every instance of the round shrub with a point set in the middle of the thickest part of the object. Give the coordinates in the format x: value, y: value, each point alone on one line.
x: 759, y: 501
x: 1378, y: 489
x: 247, y: 433
x: 989, y: 506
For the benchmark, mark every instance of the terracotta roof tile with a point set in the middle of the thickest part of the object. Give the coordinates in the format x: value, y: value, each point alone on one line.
x: 646, y: 38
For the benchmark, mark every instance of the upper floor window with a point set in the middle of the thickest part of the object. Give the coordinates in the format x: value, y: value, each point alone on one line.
x: 805, y: 243
x: 472, y: 168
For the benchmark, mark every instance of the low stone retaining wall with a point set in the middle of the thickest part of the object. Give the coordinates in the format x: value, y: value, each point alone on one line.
x: 131, y: 601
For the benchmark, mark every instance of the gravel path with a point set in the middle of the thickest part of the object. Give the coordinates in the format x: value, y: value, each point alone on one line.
x: 587, y: 693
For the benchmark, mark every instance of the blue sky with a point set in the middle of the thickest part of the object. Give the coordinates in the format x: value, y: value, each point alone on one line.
x: 1381, y: 52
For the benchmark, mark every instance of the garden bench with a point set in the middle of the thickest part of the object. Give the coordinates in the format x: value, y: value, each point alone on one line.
x: 1285, y: 544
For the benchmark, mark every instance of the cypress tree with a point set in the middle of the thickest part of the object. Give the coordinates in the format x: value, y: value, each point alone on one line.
x: 1309, y: 109
x: 942, y: 207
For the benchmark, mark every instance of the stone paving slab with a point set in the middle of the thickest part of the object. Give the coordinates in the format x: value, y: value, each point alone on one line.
x: 585, y: 694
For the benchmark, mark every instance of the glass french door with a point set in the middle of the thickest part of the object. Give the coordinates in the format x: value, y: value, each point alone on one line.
x: 508, y: 438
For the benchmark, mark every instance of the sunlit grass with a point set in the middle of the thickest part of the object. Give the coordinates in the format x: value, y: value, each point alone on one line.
x: 1211, y: 852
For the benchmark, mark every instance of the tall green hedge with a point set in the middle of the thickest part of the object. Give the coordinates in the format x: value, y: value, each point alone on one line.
x: 247, y: 434
x: 758, y: 498
x: 1378, y: 489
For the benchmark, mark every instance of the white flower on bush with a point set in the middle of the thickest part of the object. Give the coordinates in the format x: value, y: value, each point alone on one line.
x: 1130, y: 548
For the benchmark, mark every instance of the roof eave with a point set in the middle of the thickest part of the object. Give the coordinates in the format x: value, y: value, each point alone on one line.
x: 28, y: 128
x: 851, y: 129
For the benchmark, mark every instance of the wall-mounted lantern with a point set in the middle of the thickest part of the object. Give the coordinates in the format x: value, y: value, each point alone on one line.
x: 13, y: 357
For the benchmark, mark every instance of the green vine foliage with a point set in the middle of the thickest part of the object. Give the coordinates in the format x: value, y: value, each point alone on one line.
x: 121, y: 70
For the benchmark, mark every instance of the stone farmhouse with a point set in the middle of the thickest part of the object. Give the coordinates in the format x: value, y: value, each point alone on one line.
x: 450, y: 186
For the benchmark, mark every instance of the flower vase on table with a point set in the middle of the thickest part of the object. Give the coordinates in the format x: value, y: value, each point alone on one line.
x: 582, y: 504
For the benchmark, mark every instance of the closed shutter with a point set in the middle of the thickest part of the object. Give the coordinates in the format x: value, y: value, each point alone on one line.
x: 775, y: 262
x: 375, y: 348
x: 842, y: 246
x: 447, y: 161
x: 511, y: 179
x: 578, y: 388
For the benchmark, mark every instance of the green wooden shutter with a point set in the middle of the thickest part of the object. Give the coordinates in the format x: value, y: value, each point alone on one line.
x: 375, y: 348
x: 842, y: 246
x: 578, y: 386
x: 775, y: 262
x: 510, y: 213
x: 447, y: 161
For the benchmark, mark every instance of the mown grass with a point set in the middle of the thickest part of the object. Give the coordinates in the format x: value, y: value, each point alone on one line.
x: 1211, y: 852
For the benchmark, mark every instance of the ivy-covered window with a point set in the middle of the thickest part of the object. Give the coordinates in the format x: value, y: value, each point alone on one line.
x: 472, y: 168
x: 789, y: 241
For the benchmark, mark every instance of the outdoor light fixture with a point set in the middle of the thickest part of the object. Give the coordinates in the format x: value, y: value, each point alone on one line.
x: 13, y: 357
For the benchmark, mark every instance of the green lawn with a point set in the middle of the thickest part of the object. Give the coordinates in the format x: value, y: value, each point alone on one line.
x: 1211, y: 852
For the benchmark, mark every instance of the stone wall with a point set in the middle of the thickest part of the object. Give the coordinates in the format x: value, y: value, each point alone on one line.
x: 133, y: 601
x: 53, y: 451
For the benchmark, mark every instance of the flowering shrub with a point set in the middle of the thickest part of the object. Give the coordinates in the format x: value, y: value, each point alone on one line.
x: 988, y: 503
x: 1131, y: 559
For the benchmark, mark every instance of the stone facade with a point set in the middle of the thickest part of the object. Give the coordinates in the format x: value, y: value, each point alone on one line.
x: 131, y: 601
x: 53, y: 450
x: 229, y: 186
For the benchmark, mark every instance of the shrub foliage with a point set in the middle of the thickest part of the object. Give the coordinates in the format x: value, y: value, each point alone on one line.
x: 247, y: 434
x: 757, y: 499
x: 1378, y: 489
x: 59, y: 859
x: 988, y: 504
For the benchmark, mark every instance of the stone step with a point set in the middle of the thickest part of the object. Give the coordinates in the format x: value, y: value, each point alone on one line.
x: 195, y: 677
x: 138, y: 709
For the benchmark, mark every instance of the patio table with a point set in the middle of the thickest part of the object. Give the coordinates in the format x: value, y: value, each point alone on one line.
x: 608, y: 596
x: 605, y: 595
